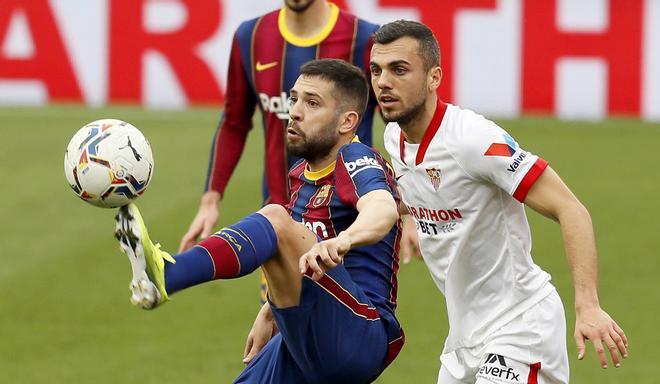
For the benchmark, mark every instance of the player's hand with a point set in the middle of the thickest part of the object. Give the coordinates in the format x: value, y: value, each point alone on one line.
x: 409, y: 240
x: 262, y: 331
x: 203, y: 223
x: 325, y: 255
x: 596, y: 325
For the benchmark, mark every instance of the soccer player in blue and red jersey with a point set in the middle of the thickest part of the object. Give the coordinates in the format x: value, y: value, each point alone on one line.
x: 334, y: 305
x: 266, y: 55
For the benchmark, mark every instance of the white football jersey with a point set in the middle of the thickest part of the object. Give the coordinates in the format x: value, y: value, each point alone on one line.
x: 463, y: 185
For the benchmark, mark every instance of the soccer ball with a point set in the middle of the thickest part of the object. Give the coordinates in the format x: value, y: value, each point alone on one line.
x: 108, y: 163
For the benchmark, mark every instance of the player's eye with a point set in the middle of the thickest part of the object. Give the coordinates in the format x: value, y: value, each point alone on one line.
x: 375, y: 71
x: 291, y: 101
x: 312, y: 103
x: 400, y: 70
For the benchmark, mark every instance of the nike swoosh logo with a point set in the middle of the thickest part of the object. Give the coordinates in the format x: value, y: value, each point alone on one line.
x: 262, y: 67
x: 398, y: 177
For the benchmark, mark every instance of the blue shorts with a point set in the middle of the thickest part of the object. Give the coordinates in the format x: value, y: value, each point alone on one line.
x: 335, y: 335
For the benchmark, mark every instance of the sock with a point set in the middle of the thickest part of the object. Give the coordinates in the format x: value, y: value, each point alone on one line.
x: 232, y: 252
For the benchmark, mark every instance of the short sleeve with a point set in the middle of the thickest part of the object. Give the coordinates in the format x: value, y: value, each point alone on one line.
x: 487, y: 152
x: 359, y: 170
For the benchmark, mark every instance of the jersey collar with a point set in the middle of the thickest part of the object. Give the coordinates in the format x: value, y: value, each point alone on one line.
x: 318, y: 175
x: 292, y: 38
x: 431, y: 130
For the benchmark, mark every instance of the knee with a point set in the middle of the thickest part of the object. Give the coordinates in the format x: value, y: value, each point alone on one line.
x: 278, y: 217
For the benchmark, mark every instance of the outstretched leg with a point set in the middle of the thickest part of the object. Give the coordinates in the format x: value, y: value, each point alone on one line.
x: 269, y: 238
x: 281, y: 270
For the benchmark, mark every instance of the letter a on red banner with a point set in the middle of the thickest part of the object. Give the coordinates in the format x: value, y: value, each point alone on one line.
x: 129, y: 41
x: 50, y: 62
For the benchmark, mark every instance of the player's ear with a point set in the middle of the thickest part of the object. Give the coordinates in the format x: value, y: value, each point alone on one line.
x: 434, y: 78
x: 349, y: 122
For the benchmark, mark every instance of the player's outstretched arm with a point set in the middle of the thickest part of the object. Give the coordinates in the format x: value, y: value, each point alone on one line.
x: 409, y: 243
x: 551, y: 197
x: 409, y: 239
x: 262, y: 331
x: 378, y: 212
x: 203, y: 223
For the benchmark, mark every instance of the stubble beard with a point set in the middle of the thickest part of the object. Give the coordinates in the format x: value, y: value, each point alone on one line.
x: 317, y: 147
x: 406, y: 116
x: 409, y: 115
x: 299, y: 7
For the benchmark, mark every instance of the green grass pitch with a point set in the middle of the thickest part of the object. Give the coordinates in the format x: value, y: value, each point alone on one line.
x: 64, y: 311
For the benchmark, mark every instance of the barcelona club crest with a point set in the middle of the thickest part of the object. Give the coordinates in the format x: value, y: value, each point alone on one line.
x: 322, y: 196
x: 434, y: 175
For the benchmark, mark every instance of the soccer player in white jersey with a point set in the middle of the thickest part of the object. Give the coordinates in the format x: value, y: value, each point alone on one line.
x: 464, y: 180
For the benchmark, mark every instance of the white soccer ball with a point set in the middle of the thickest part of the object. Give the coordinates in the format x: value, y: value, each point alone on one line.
x: 108, y: 163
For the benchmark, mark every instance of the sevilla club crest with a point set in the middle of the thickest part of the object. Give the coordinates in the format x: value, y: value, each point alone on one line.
x: 434, y: 175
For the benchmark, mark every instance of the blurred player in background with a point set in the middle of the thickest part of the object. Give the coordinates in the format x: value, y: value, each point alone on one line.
x: 266, y: 55
x: 464, y: 180
x: 265, y: 58
x: 334, y: 306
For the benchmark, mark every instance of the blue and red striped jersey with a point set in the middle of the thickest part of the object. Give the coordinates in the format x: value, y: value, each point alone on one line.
x: 326, y: 203
x: 263, y: 66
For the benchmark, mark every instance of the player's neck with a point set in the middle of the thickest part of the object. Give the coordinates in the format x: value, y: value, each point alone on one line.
x: 317, y: 165
x: 322, y: 163
x: 309, y: 22
x: 414, y: 130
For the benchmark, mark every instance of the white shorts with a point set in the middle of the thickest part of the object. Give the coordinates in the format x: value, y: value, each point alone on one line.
x: 530, y: 349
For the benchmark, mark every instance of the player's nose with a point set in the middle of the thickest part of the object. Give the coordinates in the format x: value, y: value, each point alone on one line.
x: 384, y: 80
x: 295, y: 112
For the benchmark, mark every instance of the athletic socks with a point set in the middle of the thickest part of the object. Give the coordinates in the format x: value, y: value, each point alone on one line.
x: 232, y: 252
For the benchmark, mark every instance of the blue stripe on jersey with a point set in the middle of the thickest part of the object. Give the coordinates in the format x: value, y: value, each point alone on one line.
x: 244, y: 36
x: 294, y: 58
x: 304, y: 194
x: 364, y: 31
x: 364, y: 131
x: 300, y: 209
x: 212, y: 156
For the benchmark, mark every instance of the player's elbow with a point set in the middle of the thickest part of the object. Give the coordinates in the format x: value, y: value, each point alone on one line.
x: 574, y: 211
x: 389, y: 212
x: 393, y: 213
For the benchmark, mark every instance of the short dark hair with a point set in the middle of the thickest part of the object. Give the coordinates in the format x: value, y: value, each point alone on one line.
x: 349, y: 80
x: 428, y: 45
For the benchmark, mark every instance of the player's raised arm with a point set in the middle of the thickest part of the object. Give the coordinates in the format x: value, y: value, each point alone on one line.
x: 550, y: 197
x: 378, y: 212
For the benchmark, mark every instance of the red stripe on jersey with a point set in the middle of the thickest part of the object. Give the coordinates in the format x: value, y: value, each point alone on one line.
x: 344, y: 184
x: 394, y: 347
x: 533, y: 377
x: 394, y: 280
x: 295, y: 183
x: 402, y: 147
x: 339, y: 43
x: 529, y: 179
x: 268, y: 65
x: 317, y: 209
x: 234, y: 126
x: 225, y: 260
x: 433, y: 127
x: 343, y: 296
